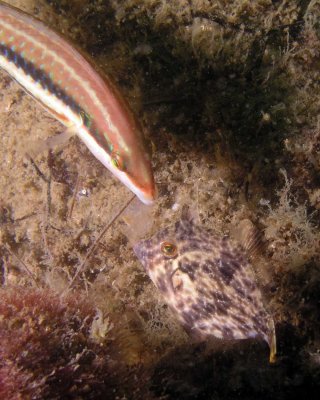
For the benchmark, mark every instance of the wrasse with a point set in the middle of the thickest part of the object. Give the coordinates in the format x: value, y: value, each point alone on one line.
x: 208, y: 282
x: 68, y: 84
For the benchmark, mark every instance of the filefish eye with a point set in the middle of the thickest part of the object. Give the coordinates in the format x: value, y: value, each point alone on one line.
x: 117, y: 161
x: 168, y: 249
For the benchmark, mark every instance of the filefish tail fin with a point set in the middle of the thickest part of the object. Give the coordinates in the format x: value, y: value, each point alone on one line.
x: 272, y: 342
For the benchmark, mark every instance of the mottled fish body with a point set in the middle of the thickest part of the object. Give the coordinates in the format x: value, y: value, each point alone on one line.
x: 68, y: 84
x: 208, y: 282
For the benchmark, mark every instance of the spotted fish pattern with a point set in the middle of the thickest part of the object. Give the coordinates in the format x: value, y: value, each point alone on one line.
x: 208, y: 282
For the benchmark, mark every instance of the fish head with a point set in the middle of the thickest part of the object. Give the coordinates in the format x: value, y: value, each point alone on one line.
x: 152, y: 258
x: 129, y: 159
x: 171, y: 256
x: 117, y: 141
x: 132, y: 166
x: 130, y: 163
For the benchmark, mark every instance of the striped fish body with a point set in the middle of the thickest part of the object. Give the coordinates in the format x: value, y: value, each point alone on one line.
x: 208, y: 282
x: 68, y: 84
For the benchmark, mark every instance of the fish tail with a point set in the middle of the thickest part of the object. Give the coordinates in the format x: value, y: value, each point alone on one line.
x: 272, y: 342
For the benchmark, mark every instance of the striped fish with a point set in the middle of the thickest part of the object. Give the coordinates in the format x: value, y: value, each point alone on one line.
x: 208, y: 282
x: 67, y: 83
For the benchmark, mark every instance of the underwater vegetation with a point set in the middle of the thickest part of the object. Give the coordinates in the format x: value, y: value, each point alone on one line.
x: 228, y: 94
x: 60, y: 347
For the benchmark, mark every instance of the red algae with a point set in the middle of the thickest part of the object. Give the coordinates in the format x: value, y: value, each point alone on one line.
x: 48, y: 350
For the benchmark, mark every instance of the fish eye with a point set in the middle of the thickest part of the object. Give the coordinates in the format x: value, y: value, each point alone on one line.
x: 117, y: 161
x: 85, y: 118
x: 168, y: 249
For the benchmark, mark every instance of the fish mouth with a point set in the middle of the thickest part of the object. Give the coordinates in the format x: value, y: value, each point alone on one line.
x: 147, y: 195
x: 140, y: 182
x: 146, y: 200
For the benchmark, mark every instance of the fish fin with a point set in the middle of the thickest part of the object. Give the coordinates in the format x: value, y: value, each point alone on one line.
x: 62, y: 138
x: 273, y: 342
x: 37, y: 147
x: 248, y: 235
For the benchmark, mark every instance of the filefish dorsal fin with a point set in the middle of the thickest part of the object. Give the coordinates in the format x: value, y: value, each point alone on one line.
x: 250, y: 238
